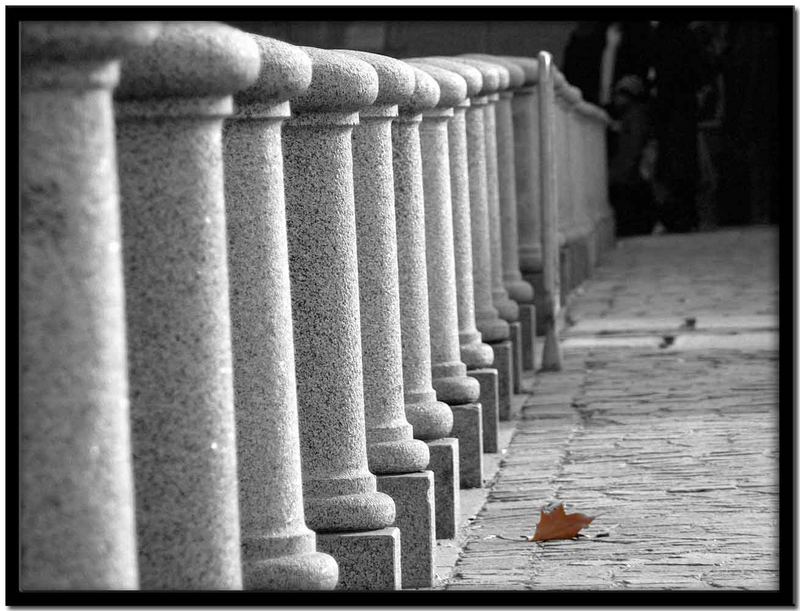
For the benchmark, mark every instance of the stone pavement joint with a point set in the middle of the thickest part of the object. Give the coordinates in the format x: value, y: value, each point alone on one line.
x: 674, y: 449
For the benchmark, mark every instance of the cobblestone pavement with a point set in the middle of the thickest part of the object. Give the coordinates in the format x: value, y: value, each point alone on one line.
x: 663, y: 424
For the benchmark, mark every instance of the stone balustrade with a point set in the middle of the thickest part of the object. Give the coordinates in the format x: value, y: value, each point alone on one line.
x: 275, y: 299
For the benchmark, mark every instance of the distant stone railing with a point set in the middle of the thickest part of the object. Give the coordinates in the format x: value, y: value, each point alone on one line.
x: 274, y: 300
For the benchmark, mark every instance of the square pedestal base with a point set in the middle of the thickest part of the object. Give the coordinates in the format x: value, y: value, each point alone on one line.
x: 487, y: 378
x: 368, y: 560
x: 416, y: 518
x: 515, y: 329
x: 564, y: 269
x: 527, y: 317
x: 580, y: 263
x: 536, y: 280
x: 503, y: 362
x: 447, y: 500
x: 468, y: 429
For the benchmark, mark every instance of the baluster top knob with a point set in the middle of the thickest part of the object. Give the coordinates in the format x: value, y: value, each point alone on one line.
x: 396, y: 80
x: 529, y: 65
x: 83, y: 40
x: 471, y: 75
x: 495, y: 77
x: 191, y: 60
x: 516, y: 75
x: 339, y: 83
x: 285, y: 72
x: 426, y: 93
x: 452, y: 87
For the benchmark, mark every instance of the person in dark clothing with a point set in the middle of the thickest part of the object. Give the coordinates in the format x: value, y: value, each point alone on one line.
x: 711, y: 100
x: 677, y: 74
x: 583, y: 56
x: 630, y: 191
x: 751, y: 125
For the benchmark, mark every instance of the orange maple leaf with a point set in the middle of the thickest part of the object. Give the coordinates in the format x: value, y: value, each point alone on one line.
x: 554, y: 523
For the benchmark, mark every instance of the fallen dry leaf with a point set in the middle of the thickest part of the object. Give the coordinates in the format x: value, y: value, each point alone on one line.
x: 554, y: 523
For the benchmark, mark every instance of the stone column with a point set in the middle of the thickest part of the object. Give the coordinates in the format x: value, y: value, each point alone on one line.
x: 526, y: 164
x: 170, y: 113
x: 596, y: 159
x: 565, y: 204
x: 432, y: 420
x: 506, y: 307
x: 76, y: 479
x: 278, y: 549
x: 475, y: 354
x: 519, y: 290
x: 495, y: 79
x: 353, y: 520
x: 450, y: 378
x: 548, y: 171
x: 604, y: 213
x: 583, y: 150
x: 580, y: 228
x: 392, y: 452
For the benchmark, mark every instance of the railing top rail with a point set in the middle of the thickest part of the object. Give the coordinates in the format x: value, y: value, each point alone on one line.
x: 452, y: 87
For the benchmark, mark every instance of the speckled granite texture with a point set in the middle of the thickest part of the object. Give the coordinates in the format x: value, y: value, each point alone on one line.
x: 339, y: 490
x: 550, y: 296
x: 518, y: 289
x: 503, y: 360
x: 489, y: 400
x: 413, y: 495
x: 506, y: 307
x: 76, y: 482
x: 474, y: 353
x: 169, y: 137
x: 516, y: 356
x: 391, y: 447
x: 358, y: 555
x: 525, y: 108
x: 278, y: 549
x: 444, y: 464
x: 527, y: 318
x: 487, y: 320
x: 449, y: 374
x: 430, y: 418
x: 468, y: 428
x: 392, y: 451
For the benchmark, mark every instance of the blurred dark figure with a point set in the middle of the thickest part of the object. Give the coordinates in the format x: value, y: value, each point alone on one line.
x: 677, y: 73
x: 748, y: 174
x: 600, y: 53
x: 582, y: 58
x: 630, y: 166
x: 711, y: 111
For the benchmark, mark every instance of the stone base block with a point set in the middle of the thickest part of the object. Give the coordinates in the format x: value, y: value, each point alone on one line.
x: 515, y: 329
x: 527, y: 318
x: 592, y: 248
x: 488, y: 399
x: 447, y: 500
x: 564, y: 269
x: 536, y: 280
x: 503, y: 362
x: 468, y: 429
x: 581, y: 269
x: 368, y: 560
x: 416, y: 518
